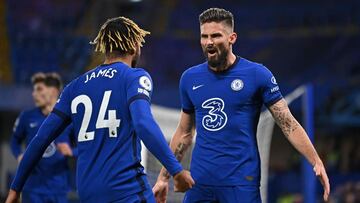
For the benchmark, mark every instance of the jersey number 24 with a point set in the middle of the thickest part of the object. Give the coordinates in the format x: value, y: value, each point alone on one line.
x: 112, y: 123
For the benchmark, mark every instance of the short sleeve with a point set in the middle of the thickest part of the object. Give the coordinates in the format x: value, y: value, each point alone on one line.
x: 269, y: 89
x: 139, y: 86
x: 186, y: 104
x: 63, y: 105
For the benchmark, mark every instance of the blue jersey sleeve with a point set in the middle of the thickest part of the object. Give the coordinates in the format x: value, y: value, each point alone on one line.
x: 186, y: 104
x: 49, y: 130
x: 18, y: 136
x: 149, y: 132
x: 139, y: 86
x: 63, y: 105
x: 269, y: 89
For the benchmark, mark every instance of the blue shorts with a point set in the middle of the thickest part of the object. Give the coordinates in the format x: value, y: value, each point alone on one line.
x: 223, y: 194
x: 31, y: 197
x: 145, y: 196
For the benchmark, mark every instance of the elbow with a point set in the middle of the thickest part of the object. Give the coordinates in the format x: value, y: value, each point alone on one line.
x: 185, y: 136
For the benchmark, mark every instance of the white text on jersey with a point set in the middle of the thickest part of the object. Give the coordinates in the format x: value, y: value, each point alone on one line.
x: 109, y: 73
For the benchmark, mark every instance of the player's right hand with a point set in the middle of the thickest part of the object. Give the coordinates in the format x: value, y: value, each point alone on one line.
x: 161, y: 190
x: 183, y: 181
x: 320, y: 172
x: 64, y: 149
x: 13, y: 197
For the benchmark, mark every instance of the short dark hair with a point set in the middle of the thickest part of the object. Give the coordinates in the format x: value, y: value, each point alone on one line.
x: 49, y: 79
x: 38, y: 78
x: 217, y: 15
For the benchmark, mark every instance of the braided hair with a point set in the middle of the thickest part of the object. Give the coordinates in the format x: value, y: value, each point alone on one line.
x: 119, y: 34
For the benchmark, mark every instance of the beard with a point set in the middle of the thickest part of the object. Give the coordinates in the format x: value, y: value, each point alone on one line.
x: 217, y: 60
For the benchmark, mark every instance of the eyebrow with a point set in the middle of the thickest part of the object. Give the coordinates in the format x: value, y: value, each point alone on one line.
x: 216, y: 34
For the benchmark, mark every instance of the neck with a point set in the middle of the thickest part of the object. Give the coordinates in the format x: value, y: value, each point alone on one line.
x: 230, y: 60
x: 127, y: 59
x: 46, y: 110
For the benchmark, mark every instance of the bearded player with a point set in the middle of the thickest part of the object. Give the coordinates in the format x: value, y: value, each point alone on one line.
x: 109, y: 107
x: 222, y: 98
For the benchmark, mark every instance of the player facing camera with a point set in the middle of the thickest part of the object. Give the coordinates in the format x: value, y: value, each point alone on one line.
x: 217, y: 37
x: 46, y: 87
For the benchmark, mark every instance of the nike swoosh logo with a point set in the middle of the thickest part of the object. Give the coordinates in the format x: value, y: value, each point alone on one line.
x: 196, y: 87
x: 33, y: 125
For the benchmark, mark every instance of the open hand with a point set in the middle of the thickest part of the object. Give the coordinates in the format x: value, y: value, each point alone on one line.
x: 320, y: 172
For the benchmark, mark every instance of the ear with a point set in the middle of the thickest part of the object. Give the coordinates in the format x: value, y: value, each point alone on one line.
x: 232, y: 38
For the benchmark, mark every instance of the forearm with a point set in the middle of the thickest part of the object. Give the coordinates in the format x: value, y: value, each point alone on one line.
x: 293, y: 131
x: 150, y: 133
x: 300, y: 140
x: 179, y: 144
x: 181, y: 141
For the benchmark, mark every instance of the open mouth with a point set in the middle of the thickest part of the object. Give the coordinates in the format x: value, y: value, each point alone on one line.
x: 211, y: 52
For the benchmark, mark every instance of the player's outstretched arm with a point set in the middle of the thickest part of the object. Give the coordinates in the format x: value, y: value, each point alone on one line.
x: 150, y: 133
x: 297, y: 136
x: 179, y: 143
x: 49, y: 130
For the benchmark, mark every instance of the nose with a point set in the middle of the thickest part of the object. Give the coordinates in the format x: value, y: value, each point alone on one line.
x: 209, y: 41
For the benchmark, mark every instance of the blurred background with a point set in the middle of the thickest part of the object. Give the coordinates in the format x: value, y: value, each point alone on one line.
x: 301, y: 41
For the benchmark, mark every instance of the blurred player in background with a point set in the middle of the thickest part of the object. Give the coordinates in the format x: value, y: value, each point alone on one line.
x: 109, y: 108
x: 223, y: 98
x: 49, y: 181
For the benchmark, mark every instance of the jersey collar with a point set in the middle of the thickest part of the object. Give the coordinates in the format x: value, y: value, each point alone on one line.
x: 227, y: 70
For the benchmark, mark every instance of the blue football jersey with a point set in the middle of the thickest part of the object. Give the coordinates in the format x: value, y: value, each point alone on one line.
x: 227, y: 106
x: 108, y: 165
x: 51, y: 174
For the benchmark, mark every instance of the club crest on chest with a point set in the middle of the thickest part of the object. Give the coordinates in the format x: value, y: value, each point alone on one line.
x: 237, y: 85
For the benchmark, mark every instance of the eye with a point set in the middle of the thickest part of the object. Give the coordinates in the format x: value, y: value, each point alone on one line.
x: 216, y: 35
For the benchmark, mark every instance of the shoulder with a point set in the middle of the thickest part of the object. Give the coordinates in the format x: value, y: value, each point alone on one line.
x: 138, y: 74
x: 260, y: 69
x: 28, y: 113
x: 251, y: 64
x: 193, y: 70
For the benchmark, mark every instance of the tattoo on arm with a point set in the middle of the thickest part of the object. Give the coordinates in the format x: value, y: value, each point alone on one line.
x: 283, y: 117
x: 179, y: 154
x: 166, y: 174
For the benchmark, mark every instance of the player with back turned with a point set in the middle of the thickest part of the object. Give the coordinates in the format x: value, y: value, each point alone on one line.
x: 222, y: 98
x: 109, y: 107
